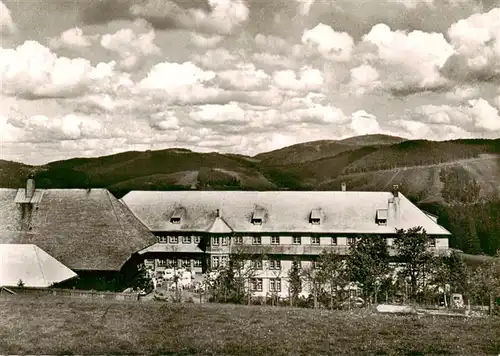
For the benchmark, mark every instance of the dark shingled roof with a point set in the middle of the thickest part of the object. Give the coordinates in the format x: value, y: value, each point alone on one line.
x: 83, y: 229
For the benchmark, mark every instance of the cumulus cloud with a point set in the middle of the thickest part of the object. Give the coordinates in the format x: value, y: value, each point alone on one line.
x: 205, y: 41
x: 306, y: 79
x: 476, y: 41
x: 130, y: 46
x: 413, y: 4
x: 40, y: 128
x: 180, y: 83
x: 463, y: 92
x: 478, y: 115
x: 364, y: 123
x: 72, y: 38
x: 496, y: 102
x: 409, y: 61
x: 216, y: 58
x: 223, y: 17
x: 364, y: 79
x: 304, y: 6
x: 7, y: 26
x: 32, y: 70
x: 331, y: 44
x: 244, y: 77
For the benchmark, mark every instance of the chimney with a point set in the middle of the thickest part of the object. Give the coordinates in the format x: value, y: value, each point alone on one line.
x: 30, y: 187
x: 395, y: 190
x: 343, y: 186
x: 393, y: 208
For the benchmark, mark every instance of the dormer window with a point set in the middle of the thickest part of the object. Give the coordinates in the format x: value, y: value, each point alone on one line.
x: 176, y: 216
x: 381, y: 218
x: 315, y: 217
x: 258, y: 216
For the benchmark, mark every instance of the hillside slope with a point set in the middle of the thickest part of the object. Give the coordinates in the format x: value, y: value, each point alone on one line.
x: 415, y: 165
x: 457, y: 180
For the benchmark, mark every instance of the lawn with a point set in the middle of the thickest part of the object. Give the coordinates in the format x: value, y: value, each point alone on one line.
x: 72, y: 326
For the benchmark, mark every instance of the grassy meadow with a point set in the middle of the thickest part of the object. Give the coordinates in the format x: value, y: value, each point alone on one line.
x: 48, y: 325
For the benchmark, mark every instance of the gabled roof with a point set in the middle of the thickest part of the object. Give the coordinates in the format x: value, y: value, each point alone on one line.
x: 220, y: 227
x: 83, y: 229
x: 285, y: 211
x: 30, y: 264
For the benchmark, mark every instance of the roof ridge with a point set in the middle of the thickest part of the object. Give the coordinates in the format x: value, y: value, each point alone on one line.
x: 114, y: 210
x: 35, y: 247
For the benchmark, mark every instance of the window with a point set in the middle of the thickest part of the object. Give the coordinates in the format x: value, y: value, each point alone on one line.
x: 274, y: 264
x: 334, y: 240
x: 297, y: 240
x: 161, y: 263
x: 432, y: 242
x: 351, y: 240
x: 316, y: 264
x: 225, y: 241
x: 215, y: 262
x: 162, y: 239
x: 315, y: 240
x: 196, y: 239
x: 186, y: 239
x: 315, y: 217
x: 275, y: 285
x: 173, y: 239
x: 256, y: 284
x: 186, y: 263
x: 258, y: 216
x: 238, y: 240
x: 381, y: 218
x: 257, y: 264
x: 223, y: 261
x: 256, y: 221
x: 176, y: 216
x: 275, y: 240
x: 215, y: 241
x: 197, y: 263
x: 169, y: 263
x: 257, y: 240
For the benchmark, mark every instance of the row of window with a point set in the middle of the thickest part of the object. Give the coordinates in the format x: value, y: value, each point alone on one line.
x: 274, y: 284
x: 256, y: 240
x: 274, y: 264
x: 175, y: 239
x: 296, y: 240
x: 179, y: 263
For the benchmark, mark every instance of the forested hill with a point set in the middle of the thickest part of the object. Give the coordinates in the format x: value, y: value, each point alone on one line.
x: 458, y: 180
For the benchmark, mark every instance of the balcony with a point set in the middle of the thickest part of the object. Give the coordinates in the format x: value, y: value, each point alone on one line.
x: 288, y: 249
x: 180, y: 248
x: 313, y: 250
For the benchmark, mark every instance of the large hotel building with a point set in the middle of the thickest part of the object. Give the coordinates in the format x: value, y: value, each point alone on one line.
x: 199, y: 230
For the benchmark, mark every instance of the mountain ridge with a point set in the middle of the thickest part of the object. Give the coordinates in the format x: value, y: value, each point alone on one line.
x: 458, y: 180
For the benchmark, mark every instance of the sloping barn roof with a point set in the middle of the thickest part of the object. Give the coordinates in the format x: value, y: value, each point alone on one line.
x: 286, y: 211
x: 30, y: 264
x: 83, y: 229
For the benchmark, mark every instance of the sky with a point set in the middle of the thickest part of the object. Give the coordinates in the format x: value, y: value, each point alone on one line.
x: 98, y: 77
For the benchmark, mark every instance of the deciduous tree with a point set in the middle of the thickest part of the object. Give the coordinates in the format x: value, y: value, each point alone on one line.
x: 412, y: 251
x: 368, y: 263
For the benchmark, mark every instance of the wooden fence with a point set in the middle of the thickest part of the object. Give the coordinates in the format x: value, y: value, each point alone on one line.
x: 75, y: 293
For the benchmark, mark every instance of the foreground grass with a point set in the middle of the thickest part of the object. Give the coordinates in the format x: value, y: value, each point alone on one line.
x: 62, y: 326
